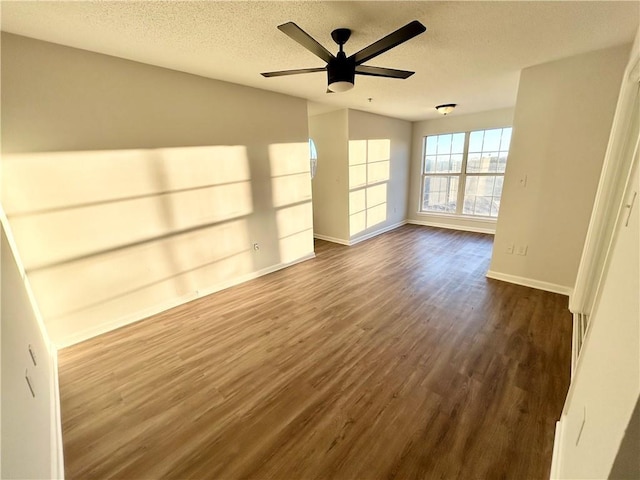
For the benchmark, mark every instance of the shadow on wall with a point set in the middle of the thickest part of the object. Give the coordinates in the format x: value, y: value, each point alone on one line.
x: 104, y: 234
x: 369, y: 171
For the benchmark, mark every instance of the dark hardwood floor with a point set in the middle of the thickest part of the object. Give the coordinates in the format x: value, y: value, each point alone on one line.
x: 391, y: 359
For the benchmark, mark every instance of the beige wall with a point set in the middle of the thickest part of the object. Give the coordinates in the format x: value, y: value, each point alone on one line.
x: 360, y: 188
x: 562, y: 120
x: 131, y: 188
x: 378, y: 173
x: 449, y: 124
x: 331, y: 182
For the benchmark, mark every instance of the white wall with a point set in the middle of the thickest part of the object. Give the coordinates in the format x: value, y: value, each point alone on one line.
x: 598, y: 433
x: 28, y: 423
x: 378, y: 173
x: 562, y: 120
x: 627, y: 463
x: 606, y: 386
x: 454, y: 122
x: 131, y: 188
x: 0, y: 354
x: 331, y: 183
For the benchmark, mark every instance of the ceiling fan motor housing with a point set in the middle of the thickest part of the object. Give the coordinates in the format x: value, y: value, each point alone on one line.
x: 341, y: 69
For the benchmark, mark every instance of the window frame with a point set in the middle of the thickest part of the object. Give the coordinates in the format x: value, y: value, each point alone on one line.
x: 462, y: 176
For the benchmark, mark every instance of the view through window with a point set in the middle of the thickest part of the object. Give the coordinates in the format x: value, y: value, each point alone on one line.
x: 463, y: 172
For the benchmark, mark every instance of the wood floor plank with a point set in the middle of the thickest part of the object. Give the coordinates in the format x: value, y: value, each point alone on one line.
x: 395, y: 358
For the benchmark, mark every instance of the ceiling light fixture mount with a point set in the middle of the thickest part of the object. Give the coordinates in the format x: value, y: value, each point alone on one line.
x: 446, y: 108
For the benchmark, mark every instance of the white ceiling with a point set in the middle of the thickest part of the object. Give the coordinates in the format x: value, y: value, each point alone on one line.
x: 471, y: 54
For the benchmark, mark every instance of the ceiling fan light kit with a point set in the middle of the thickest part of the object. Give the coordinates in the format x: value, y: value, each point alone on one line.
x: 341, y: 70
x: 342, y: 86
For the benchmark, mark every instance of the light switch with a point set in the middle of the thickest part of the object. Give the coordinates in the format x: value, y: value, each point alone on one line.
x: 29, y: 384
x: 523, y: 181
x: 33, y: 356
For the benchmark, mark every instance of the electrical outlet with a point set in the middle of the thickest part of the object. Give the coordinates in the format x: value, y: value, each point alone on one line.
x: 521, y: 250
x: 510, y: 249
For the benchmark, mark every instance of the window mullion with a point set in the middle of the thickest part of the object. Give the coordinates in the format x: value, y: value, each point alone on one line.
x: 424, y: 174
x: 462, y: 179
x: 366, y: 189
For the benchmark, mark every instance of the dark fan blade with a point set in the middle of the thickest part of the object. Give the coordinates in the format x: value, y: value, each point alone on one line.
x: 401, y: 35
x: 282, y: 73
x: 382, y: 72
x: 304, y: 39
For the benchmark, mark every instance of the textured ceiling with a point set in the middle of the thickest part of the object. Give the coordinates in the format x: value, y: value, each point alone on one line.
x: 471, y: 54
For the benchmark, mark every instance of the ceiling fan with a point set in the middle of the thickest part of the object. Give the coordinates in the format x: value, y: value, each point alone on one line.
x: 341, y: 70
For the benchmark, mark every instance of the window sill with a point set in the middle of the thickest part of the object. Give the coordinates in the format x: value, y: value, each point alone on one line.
x: 453, y: 216
x: 456, y: 222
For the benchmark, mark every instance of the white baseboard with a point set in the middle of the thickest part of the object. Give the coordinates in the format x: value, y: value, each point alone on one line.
x: 94, y: 331
x: 530, y: 282
x: 375, y: 233
x: 555, y: 458
x: 364, y: 237
x: 331, y: 239
x: 475, y: 229
x: 57, y: 454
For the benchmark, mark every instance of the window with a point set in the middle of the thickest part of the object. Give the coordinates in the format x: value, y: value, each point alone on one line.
x: 463, y: 172
x: 313, y: 158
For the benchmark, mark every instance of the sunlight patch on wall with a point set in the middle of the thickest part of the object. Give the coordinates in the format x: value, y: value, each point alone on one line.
x: 357, y: 176
x: 207, y: 276
x: 171, y: 265
x: 295, y: 231
x: 106, y: 234
x: 288, y: 158
x: 290, y: 178
x: 155, y: 193
x: 378, y: 172
x: 35, y: 182
x: 291, y: 192
x: 367, y: 207
x: 378, y: 150
x: 290, y: 189
x: 357, y: 201
x: 369, y: 172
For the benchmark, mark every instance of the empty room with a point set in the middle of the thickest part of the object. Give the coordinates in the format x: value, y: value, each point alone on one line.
x: 320, y: 239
